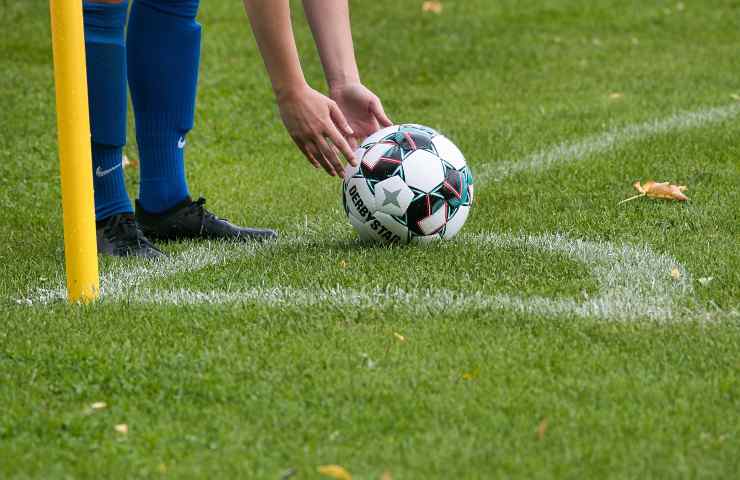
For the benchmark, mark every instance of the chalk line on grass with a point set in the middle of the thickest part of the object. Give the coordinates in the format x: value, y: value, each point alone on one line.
x: 632, y: 280
x: 126, y: 274
x: 568, y: 152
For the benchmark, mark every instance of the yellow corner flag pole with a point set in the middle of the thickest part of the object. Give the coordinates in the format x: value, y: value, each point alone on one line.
x: 73, y: 126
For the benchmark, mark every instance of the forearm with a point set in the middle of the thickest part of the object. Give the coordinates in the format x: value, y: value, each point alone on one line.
x: 329, y: 21
x: 273, y: 31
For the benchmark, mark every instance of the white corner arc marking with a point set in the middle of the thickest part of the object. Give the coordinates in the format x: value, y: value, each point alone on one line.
x: 634, y: 281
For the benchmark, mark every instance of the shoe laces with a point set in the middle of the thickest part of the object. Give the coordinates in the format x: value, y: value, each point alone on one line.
x: 125, y: 229
x: 198, y: 208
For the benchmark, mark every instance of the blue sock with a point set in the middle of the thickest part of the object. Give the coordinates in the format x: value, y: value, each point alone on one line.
x: 106, y: 78
x: 163, y: 57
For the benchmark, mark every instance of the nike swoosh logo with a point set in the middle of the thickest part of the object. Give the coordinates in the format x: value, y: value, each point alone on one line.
x: 99, y: 172
x: 181, y: 143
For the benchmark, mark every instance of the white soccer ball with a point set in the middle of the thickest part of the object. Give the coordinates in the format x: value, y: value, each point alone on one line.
x: 412, y: 184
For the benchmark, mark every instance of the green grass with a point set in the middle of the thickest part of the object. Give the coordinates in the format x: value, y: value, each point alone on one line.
x: 253, y: 389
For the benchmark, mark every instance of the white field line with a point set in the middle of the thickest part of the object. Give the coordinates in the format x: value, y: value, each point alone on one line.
x: 634, y: 282
x: 127, y: 275
x: 568, y: 152
x: 631, y: 279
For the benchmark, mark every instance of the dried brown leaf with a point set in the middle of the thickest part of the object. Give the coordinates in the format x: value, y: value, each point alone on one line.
x: 675, y: 273
x: 662, y: 190
x: 665, y: 190
x: 433, y: 7
x: 542, y: 428
x: 638, y: 186
x: 471, y: 375
x: 386, y: 476
x: 335, y: 471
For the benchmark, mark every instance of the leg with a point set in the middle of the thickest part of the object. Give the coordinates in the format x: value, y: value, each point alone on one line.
x: 106, y: 78
x: 163, y: 58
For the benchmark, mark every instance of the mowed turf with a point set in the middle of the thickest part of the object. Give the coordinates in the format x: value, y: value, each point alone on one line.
x: 260, y: 389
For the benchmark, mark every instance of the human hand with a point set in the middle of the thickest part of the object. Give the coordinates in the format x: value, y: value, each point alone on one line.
x: 316, y: 125
x: 361, y: 108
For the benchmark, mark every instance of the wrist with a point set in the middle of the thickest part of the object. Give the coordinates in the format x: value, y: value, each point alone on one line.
x: 339, y: 81
x: 289, y: 89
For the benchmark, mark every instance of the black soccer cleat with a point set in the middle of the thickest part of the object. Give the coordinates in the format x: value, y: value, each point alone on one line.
x: 119, y: 236
x: 191, y: 220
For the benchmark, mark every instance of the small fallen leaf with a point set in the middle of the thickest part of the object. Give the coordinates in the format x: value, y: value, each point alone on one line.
x: 433, y: 7
x: 386, y: 476
x: 400, y: 337
x: 616, y: 96
x: 542, y: 428
x: 94, y: 407
x: 343, y: 263
x: 121, y: 428
x: 675, y: 273
x: 662, y: 190
x: 704, y: 281
x: 335, y: 471
x: 471, y: 375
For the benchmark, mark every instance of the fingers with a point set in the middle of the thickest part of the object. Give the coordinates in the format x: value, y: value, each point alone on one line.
x: 339, y: 120
x: 353, y: 144
x: 320, y: 130
x: 376, y: 108
x: 310, y: 156
x: 347, y: 143
x: 341, y: 143
x: 330, y: 154
x: 322, y: 154
x: 316, y: 153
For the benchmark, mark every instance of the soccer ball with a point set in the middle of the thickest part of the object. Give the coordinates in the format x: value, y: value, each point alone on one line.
x: 411, y: 185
